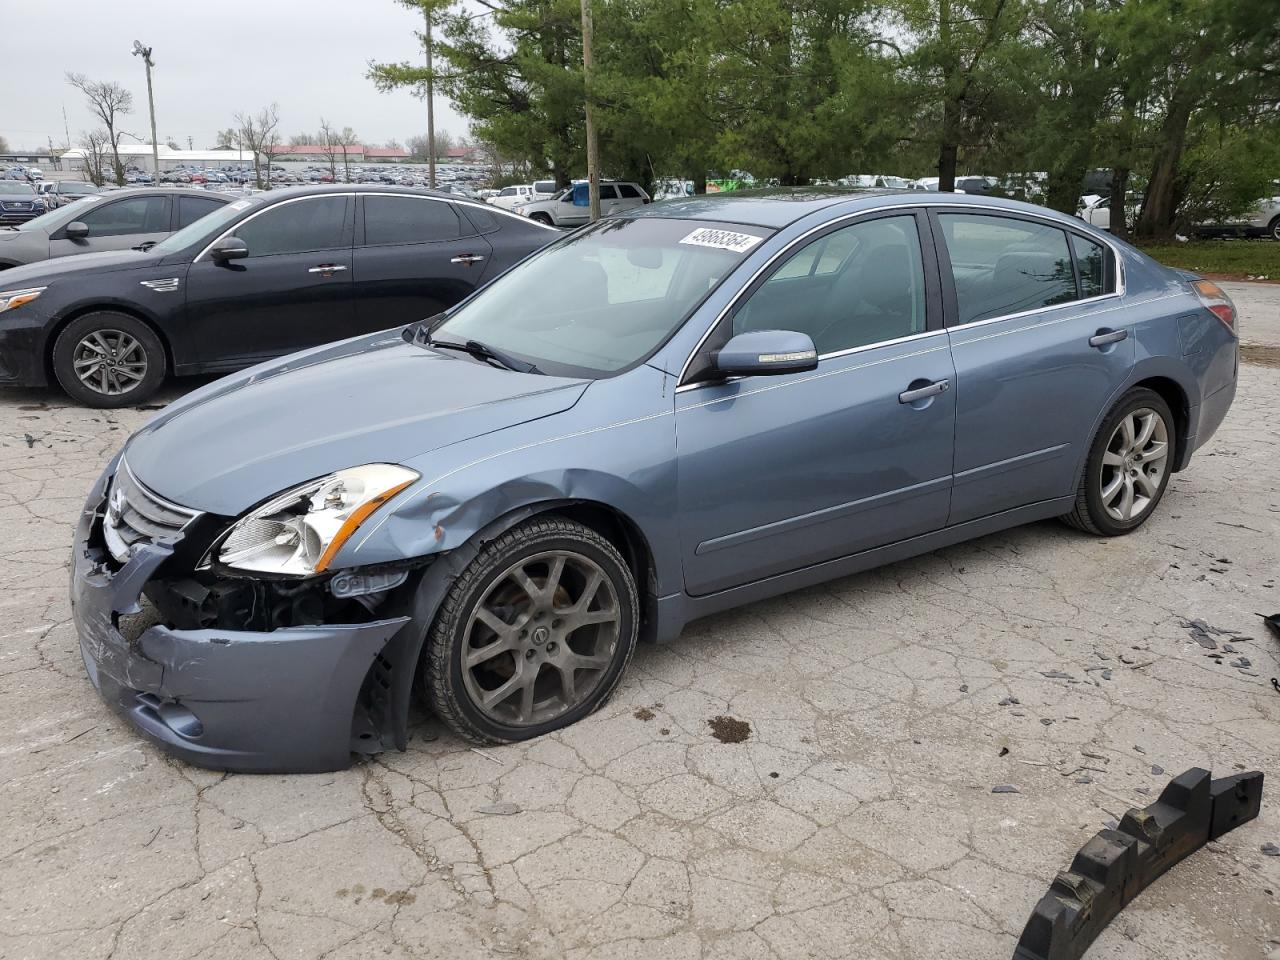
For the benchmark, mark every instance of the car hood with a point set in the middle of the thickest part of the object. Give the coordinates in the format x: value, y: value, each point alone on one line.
x: 46, y: 271
x: 372, y: 400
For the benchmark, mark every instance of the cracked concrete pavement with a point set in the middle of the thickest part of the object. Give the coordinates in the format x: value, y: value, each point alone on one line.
x: 856, y: 819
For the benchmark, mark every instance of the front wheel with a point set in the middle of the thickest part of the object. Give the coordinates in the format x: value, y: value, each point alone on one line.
x: 534, y: 635
x: 108, y: 360
x: 541, y: 218
x: 1273, y: 229
x: 1128, y: 466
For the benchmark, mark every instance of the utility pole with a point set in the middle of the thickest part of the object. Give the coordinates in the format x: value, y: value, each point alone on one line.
x: 431, y: 105
x: 191, y: 143
x: 145, y: 53
x: 593, y: 146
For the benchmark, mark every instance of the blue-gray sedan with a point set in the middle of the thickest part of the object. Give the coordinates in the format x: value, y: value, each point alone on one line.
x: 658, y: 417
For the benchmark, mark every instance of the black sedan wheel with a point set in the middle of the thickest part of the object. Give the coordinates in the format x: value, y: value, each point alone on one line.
x: 108, y: 360
x: 1128, y: 467
x: 534, y: 635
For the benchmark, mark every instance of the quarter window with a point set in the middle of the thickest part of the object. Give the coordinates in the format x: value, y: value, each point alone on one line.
x: 408, y: 220
x: 124, y: 217
x: 1003, y: 266
x: 628, y: 192
x: 859, y: 285
x: 315, y: 223
x: 1094, y: 263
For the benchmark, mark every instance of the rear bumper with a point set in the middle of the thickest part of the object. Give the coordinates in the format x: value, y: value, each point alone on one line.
x: 280, y: 701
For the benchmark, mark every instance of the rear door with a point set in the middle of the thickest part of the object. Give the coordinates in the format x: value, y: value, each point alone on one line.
x: 116, y: 225
x: 294, y: 290
x: 1040, y: 346
x: 414, y: 257
x: 629, y: 197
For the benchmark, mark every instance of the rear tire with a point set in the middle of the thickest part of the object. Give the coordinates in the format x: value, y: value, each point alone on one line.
x: 108, y: 360
x: 1128, y: 467
x: 534, y: 634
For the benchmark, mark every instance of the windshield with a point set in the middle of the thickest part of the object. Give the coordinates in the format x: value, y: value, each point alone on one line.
x: 605, y: 297
x: 12, y: 187
x: 206, y: 226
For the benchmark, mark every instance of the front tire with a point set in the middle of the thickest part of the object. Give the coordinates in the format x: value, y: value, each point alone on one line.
x: 108, y: 360
x: 534, y: 634
x: 541, y: 218
x: 1273, y: 229
x: 1128, y: 466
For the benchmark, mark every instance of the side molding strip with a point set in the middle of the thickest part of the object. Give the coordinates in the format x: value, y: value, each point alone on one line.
x: 1117, y: 865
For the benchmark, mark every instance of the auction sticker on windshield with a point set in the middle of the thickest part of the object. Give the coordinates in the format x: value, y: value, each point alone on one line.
x: 722, y: 239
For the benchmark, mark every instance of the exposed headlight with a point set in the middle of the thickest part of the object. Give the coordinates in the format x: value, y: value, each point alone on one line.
x: 299, y: 532
x: 13, y: 299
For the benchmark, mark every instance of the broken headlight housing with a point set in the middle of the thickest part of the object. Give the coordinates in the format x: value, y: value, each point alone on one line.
x: 299, y: 532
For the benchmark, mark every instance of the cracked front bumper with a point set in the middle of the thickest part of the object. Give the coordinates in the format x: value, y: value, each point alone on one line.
x: 278, y: 701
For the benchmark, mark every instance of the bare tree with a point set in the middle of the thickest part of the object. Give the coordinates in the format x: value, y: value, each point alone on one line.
x: 226, y: 139
x: 328, y: 147
x: 259, y: 132
x: 94, y: 143
x: 4, y: 145
x: 303, y: 140
x: 346, y: 140
x: 109, y: 101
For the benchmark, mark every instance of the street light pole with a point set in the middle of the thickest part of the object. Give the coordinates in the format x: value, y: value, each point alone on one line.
x: 593, y: 146
x: 145, y: 52
x: 431, y: 105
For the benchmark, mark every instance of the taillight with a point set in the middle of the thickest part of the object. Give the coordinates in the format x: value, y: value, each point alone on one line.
x: 1216, y: 301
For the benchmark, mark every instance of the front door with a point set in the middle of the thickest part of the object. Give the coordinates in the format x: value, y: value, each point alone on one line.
x: 116, y: 225
x: 415, y: 258
x: 294, y: 290
x: 781, y: 472
x: 1039, y: 347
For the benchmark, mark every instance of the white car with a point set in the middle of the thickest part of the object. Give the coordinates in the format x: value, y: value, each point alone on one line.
x: 509, y: 198
x: 1263, y: 221
x: 571, y: 207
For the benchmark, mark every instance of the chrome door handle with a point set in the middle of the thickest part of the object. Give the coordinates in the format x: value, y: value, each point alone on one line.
x: 925, y: 392
x: 327, y: 268
x: 467, y: 258
x: 1104, y: 337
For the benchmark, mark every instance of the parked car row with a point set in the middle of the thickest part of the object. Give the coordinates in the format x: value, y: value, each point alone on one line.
x: 253, y: 278
x: 674, y: 411
x: 1263, y: 220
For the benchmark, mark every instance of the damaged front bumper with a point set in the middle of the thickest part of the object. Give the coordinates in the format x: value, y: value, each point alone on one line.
x: 270, y: 701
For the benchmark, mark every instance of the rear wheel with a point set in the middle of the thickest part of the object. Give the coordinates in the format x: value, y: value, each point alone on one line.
x: 1128, y: 466
x: 108, y: 360
x: 534, y: 635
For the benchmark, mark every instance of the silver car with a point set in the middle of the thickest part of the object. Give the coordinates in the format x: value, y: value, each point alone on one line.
x: 106, y: 221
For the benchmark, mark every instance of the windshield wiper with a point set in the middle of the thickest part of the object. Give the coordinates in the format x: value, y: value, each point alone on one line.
x: 482, y: 351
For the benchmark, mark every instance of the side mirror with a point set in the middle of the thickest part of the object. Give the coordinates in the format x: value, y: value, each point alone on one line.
x: 229, y: 248
x: 764, y: 352
x: 76, y: 230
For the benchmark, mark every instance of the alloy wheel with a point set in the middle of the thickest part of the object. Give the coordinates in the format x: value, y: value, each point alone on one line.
x: 109, y: 362
x: 1134, y: 464
x: 540, y: 639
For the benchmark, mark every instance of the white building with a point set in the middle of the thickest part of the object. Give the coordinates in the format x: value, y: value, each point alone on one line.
x: 139, y: 154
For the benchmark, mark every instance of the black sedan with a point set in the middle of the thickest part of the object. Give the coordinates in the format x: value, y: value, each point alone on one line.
x: 261, y: 277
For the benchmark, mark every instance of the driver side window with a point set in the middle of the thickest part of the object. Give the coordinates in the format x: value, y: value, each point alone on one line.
x: 856, y: 286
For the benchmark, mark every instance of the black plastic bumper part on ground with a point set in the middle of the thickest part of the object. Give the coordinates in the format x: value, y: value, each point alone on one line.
x: 229, y: 699
x: 1116, y: 865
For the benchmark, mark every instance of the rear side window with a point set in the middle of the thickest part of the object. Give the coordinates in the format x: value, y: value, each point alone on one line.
x: 408, y: 220
x: 1093, y: 260
x: 1003, y: 266
x: 544, y: 186
x: 123, y: 217
x: 608, y: 192
x: 628, y: 192
x: 191, y: 209
x: 315, y: 223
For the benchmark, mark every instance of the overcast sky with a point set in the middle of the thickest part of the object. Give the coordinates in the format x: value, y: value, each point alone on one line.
x: 212, y: 60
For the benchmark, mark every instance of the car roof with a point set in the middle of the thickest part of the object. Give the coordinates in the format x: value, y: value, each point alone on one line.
x: 776, y: 207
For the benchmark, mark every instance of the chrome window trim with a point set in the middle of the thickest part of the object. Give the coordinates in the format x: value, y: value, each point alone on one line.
x: 267, y: 207
x: 906, y: 210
